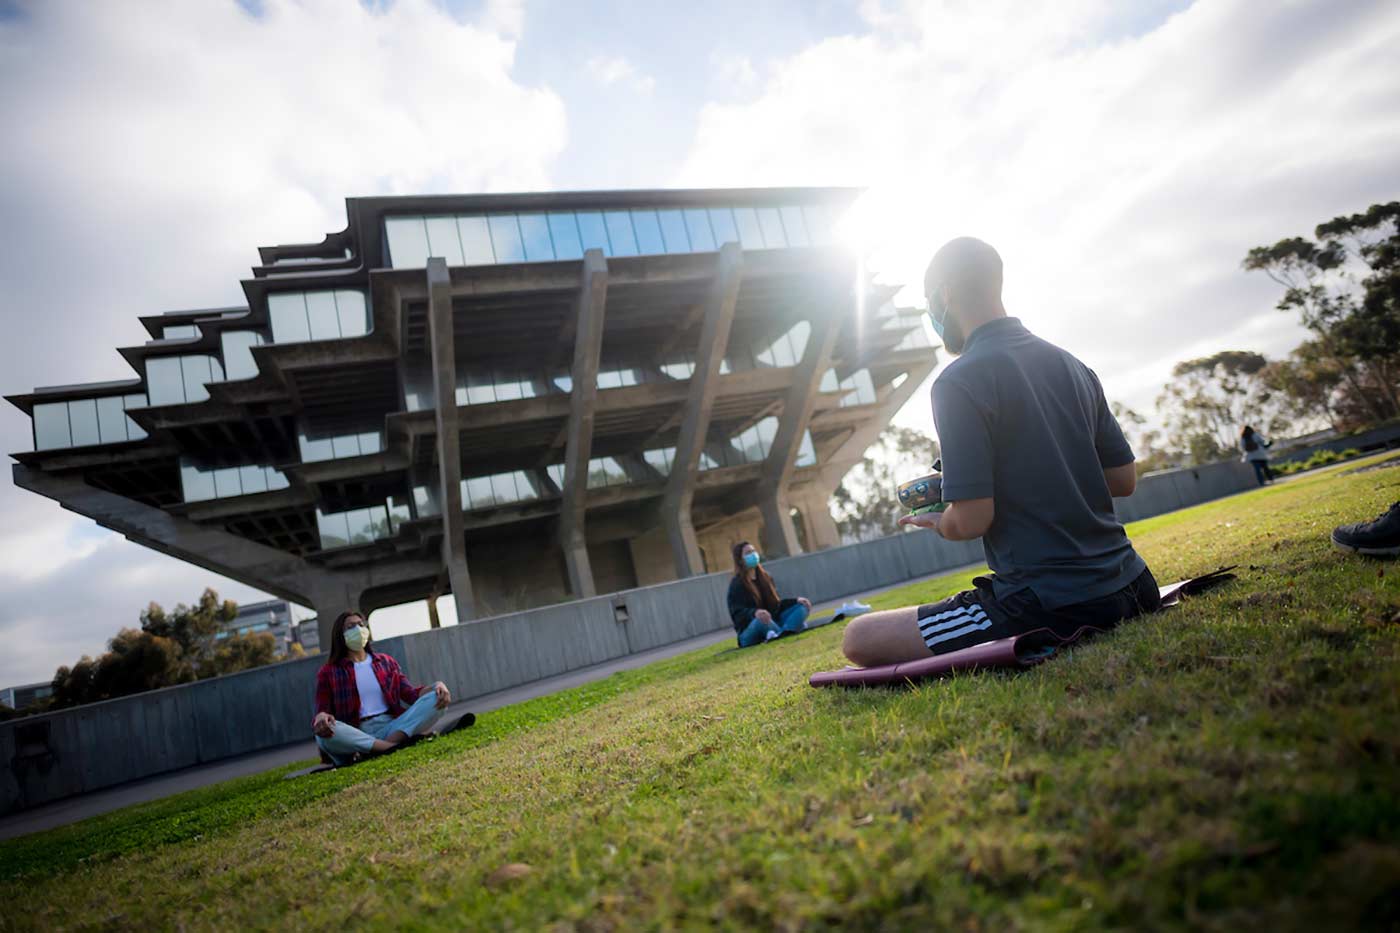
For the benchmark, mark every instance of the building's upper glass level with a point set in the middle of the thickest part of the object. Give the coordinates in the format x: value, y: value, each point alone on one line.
x: 544, y: 236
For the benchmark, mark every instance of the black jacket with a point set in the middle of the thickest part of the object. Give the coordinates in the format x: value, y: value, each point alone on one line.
x: 742, y: 606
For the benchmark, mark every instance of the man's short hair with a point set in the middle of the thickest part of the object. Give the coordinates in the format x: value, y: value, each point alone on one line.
x: 968, y: 266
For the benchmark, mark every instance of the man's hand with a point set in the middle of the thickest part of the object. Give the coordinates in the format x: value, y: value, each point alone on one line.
x: 929, y: 520
x: 763, y: 616
x: 806, y: 603
x: 323, y: 725
x: 444, y: 697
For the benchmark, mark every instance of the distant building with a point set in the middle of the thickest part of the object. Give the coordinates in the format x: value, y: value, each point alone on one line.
x: 273, y: 616
x: 517, y: 399
x: 26, y: 694
x: 306, y: 634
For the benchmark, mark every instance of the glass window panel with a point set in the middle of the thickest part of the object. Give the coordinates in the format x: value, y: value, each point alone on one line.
x: 798, y: 336
x: 238, y: 353
x: 564, y: 230
x: 794, y: 228
x: 226, y: 483
x: 253, y: 479
x: 649, y: 241
x: 697, y: 224
x: 674, y: 237
x: 51, y: 426
x: 425, y: 501
x: 593, y: 232
x: 397, y: 507
x: 818, y: 218
x: 565, y: 383
x: 322, y: 315
x: 772, y: 225
x: 196, y: 484
x: 345, y: 446
x: 556, y: 473
x: 287, y: 312
x: 360, y: 523
x: 369, y: 442
x: 195, y: 371
x: 334, y: 529
x: 111, y: 420
x: 276, y: 479
x: 408, y: 242
x: 316, y: 449
x: 478, y: 491
x: 505, y: 238
x: 534, y: 230
x: 442, y: 239
x: 707, y: 462
x: 507, y: 391
x: 609, y: 379
x: 621, y: 234
x: 679, y: 369
x: 353, y: 312
x: 134, y: 431
x: 750, y: 231
x: 503, y: 488
x: 164, y: 381
x: 767, y: 430
x: 179, y: 331
x: 829, y: 382
x: 526, y: 485
x: 659, y: 460
x: 865, y: 387
x: 806, y: 453
x: 722, y: 223
x: 476, y: 241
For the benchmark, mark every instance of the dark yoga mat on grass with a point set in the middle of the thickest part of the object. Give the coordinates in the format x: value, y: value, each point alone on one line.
x: 1019, y: 651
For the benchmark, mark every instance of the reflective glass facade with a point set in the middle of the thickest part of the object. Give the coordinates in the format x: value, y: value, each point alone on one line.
x: 179, y: 332
x: 176, y: 380
x: 482, y: 492
x: 198, y: 483
x: 485, y: 239
x: 856, y: 389
x: 338, y: 446
x: 317, y: 315
x: 238, y: 353
x: 361, y: 526
x: 84, y: 422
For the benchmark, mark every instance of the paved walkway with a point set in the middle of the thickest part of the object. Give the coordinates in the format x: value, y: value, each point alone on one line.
x: 72, y: 809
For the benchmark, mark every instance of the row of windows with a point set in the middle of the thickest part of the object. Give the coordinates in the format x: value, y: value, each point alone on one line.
x: 175, y: 380
x: 199, y: 484
x: 482, y: 492
x: 341, y: 445
x: 83, y: 422
x: 486, y: 239
x: 361, y: 526
x: 179, y: 332
x: 857, y: 389
x: 318, y: 315
x: 752, y: 446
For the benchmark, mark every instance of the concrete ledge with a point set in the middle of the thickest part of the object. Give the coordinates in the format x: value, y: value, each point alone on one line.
x: 56, y: 755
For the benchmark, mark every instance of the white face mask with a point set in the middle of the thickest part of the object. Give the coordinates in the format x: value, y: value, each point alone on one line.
x: 357, y: 637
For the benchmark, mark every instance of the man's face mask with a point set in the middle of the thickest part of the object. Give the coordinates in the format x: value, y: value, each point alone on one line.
x: 945, y: 326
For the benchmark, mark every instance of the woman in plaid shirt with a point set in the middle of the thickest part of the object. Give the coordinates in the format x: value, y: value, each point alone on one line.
x: 364, y: 703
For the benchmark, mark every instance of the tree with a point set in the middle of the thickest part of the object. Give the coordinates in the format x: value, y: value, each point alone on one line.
x: 865, y: 504
x: 1357, y: 325
x: 1211, y: 398
x: 240, y: 653
x: 1308, y: 385
x: 1149, y: 450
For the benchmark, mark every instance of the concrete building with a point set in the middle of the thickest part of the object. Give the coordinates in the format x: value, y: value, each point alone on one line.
x: 273, y: 616
x: 515, y: 399
x: 23, y: 695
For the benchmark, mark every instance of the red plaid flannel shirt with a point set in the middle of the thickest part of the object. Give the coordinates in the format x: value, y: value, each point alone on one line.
x: 337, y: 694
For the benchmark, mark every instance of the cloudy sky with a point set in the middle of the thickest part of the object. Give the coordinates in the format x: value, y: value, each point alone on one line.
x: 1123, y: 156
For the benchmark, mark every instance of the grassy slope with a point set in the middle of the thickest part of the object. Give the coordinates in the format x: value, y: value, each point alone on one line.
x: 1233, y: 761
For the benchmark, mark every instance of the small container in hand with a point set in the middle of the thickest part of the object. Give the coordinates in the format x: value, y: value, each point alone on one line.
x: 924, y: 494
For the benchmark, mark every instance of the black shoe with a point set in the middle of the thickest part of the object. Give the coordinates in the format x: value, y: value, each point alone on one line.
x: 1379, y: 537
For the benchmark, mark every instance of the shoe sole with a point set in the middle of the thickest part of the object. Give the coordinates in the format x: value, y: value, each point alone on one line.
x: 1368, y: 551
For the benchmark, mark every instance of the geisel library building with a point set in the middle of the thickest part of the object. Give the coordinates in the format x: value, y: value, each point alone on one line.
x: 515, y: 399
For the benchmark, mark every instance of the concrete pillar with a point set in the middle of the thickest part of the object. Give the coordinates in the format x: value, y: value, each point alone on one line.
x: 583, y: 402
x: 449, y: 444
x: 329, y: 601
x: 695, y: 420
x: 822, y: 532
x: 792, y: 425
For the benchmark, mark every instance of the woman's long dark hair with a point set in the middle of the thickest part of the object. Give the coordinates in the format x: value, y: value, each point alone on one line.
x: 339, y: 650
x: 761, y: 588
x: 1247, y: 431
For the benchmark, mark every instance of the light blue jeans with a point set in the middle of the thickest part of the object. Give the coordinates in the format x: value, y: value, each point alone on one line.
x: 794, y: 619
x: 346, y: 739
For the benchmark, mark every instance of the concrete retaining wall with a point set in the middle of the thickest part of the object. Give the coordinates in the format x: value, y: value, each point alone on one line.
x: 56, y: 755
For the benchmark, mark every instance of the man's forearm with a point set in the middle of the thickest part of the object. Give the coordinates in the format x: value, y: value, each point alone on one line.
x: 963, y: 521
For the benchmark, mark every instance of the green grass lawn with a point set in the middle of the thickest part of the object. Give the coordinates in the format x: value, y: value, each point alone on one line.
x: 1234, y: 762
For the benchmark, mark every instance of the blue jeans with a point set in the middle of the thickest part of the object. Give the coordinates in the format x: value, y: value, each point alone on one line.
x: 346, y: 740
x: 1261, y: 471
x: 794, y: 619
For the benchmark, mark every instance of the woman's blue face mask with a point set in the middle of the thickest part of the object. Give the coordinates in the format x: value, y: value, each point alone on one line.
x: 751, y: 559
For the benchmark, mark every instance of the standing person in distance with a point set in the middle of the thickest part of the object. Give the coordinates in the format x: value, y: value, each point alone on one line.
x: 1254, y: 449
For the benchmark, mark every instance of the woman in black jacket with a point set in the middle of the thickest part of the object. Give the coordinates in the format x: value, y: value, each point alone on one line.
x: 754, y: 606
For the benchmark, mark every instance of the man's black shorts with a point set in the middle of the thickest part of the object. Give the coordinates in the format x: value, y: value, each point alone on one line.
x: 975, y: 616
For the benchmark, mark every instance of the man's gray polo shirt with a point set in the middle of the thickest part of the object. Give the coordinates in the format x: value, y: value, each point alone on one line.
x: 1026, y: 424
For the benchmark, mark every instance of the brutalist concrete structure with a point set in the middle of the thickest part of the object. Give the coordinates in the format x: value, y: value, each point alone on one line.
x: 515, y: 399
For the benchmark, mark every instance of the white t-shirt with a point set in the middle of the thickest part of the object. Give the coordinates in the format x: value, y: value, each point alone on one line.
x: 371, y: 694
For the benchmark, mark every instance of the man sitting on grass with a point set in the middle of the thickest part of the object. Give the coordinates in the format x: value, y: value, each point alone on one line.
x: 1032, y: 458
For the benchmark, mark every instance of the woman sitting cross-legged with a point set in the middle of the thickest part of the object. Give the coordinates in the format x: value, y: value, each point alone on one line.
x: 754, y: 605
x: 364, y: 703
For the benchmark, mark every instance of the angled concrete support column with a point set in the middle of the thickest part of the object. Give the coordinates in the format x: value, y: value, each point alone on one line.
x: 695, y: 419
x: 773, y: 502
x: 330, y: 599
x: 583, y: 402
x: 449, y: 444
x: 850, y: 451
x: 822, y: 532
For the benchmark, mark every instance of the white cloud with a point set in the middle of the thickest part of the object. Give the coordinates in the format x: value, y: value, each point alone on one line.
x: 608, y: 70
x: 151, y: 146
x: 1122, y: 179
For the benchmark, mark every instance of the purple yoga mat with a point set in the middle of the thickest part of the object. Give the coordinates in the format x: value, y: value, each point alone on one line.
x: 1019, y: 651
